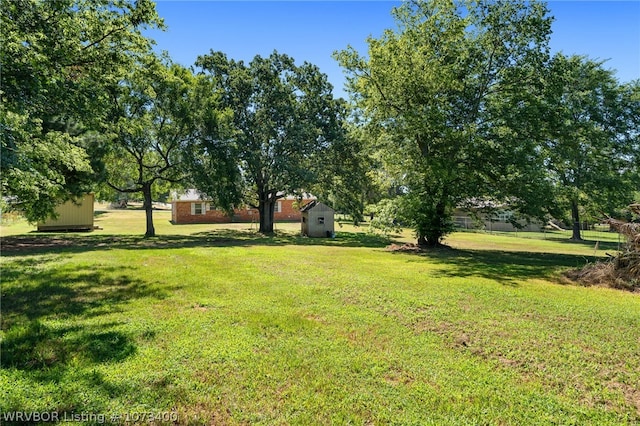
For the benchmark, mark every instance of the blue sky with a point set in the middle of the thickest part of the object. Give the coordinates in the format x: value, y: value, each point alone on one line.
x: 312, y: 30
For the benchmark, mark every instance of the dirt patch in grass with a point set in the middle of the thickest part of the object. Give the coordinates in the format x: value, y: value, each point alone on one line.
x: 316, y: 319
x: 461, y: 336
x: 205, y: 415
x: 414, y: 248
x: 411, y: 248
x: 630, y: 393
x: 200, y: 307
x: 397, y: 376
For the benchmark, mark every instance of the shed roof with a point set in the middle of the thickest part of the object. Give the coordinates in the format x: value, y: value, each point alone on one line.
x: 313, y: 204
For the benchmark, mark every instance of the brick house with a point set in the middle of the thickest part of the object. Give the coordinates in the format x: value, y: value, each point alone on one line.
x: 191, y: 209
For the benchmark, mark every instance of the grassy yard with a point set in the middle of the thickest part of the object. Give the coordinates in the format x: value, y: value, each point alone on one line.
x: 219, y: 325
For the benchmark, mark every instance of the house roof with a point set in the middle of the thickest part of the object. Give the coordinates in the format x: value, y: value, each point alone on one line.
x: 195, y: 195
x: 479, y: 203
x: 189, y: 195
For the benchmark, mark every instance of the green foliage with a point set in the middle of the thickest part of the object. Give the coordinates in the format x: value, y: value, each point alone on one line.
x: 387, y: 217
x: 210, y: 159
x: 448, y: 100
x: 591, y: 137
x: 341, y: 173
x: 154, y: 124
x: 58, y: 60
x: 287, y: 128
x: 152, y: 120
x: 39, y: 171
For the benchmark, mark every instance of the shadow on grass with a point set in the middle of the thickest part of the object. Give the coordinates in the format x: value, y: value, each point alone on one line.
x: 35, y: 346
x: 50, y: 338
x: 24, y: 245
x: 63, y: 361
x: 602, y: 245
x: 508, y: 268
x: 37, y: 288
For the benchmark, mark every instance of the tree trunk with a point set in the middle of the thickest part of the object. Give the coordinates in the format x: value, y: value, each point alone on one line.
x: 431, y: 235
x: 431, y: 240
x: 148, y: 208
x: 265, y: 210
x: 575, y: 217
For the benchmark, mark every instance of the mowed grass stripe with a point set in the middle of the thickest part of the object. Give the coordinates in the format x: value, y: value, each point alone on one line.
x: 313, y: 334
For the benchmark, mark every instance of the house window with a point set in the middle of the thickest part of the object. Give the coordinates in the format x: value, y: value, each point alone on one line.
x: 503, y: 216
x: 197, y: 208
x: 277, y: 208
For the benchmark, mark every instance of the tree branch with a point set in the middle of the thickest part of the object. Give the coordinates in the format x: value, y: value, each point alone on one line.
x: 108, y: 34
x: 128, y: 190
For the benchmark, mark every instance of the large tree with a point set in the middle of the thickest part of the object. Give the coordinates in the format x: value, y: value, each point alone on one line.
x: 57, y: 58
x: 450, y: 99
x: 285, y: 121
x: 341, y: 176
x: 592, y: 132
x: 154, y: 119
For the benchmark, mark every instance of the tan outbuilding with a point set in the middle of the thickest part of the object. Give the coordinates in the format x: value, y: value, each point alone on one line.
x: 317, y: 220
x: 73, y: 215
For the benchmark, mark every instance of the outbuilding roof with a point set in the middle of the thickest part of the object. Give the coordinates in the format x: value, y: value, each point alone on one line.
x: 308, y: 206
x: 311, y: 205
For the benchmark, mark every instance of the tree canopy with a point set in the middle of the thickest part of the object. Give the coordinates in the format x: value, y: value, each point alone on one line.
x: 285, y: 123
x: 58, y: 59
x: 448, y: 100
x: 153, y: 123
x: 591, y: 134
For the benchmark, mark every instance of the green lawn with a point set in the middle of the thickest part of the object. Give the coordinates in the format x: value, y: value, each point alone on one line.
x: 222, y: 326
